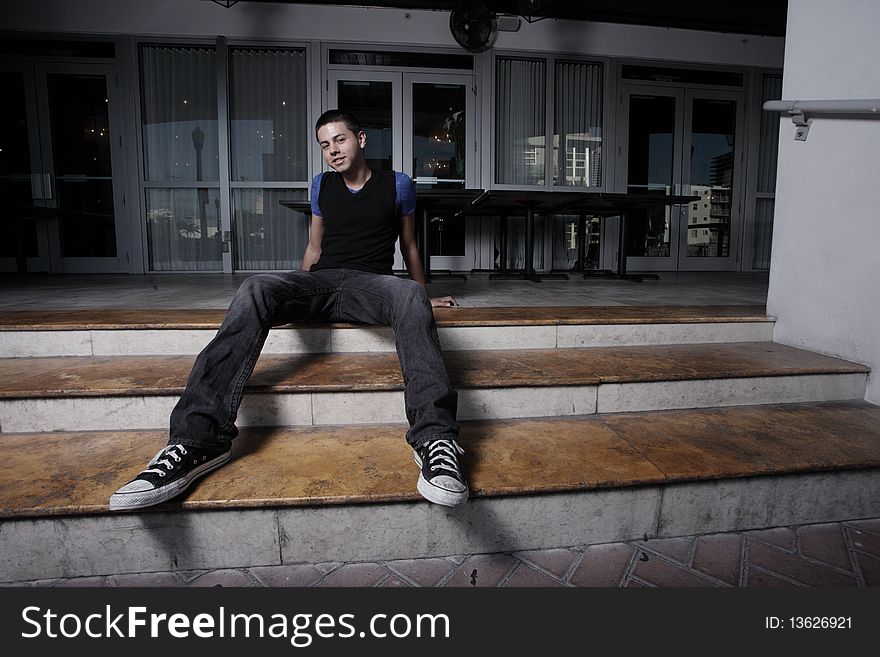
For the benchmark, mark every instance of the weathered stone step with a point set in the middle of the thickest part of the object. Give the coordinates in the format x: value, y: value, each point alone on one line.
x: 69, y: 394
x: 148, y: 332
x: 348, y: 493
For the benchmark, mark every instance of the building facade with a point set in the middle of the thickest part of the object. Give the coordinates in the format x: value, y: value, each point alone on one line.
x: 160, y: 136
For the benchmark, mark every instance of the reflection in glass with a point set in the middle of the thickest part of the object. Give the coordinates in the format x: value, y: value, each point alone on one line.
x: 566, y: 241
x: 439, y: 156
x: 764, y: 208
x: 650, y: 170
x: 268, y: 235
x: 711, y: 177
x: 15, y: 154
x: 438, y: 134
x: 577, y: 139
x: 183, y: 229
x: 19, y: 222
x: 179, y: 113
x: 85, y: 219
x: 768, y: 146
x: 520, y: 130
x: 19, y: 226
x: 269, y: 122
x: 768, y: 140
x: 371, y: 103
x: 80, y: 123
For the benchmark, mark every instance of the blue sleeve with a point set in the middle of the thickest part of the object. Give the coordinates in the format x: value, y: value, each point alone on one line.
x: 406, y: 194
x: 315, y: 192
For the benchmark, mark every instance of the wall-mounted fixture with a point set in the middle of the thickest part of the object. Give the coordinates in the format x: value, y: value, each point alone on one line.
x: 800, y: 111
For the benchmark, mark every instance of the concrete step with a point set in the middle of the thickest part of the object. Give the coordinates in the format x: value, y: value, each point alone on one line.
x: 159, y: 332
x: 138, y: 392
x: 347, y: 493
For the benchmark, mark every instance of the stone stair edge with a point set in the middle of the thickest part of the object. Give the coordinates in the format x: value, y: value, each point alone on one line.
x: 583, y: 374
x: 612, y: 435
x: 77, y: 320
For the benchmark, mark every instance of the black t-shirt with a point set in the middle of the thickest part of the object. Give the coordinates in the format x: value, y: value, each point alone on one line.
x: 360, y: 228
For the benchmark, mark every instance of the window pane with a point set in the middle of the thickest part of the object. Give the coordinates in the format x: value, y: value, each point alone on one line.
x: 79, y: 119
x: 19, y: 220
x: 566, y: 241
x: 681, y: 75
x: 520, y: 134
x: 438, y: 122
x: 268, y: 235
x: 183, y: 229
x: 577, y: 142
x: 80, y: 125
x: 268, y: 113
x: 179, y: 108
x: 15, y: 154
x: 763, y: 233
x: 85, y: 218
x: 768, y: 144
x: 394, y: 58
x: 650, y: 170
x: 372, y: 103
x: 711, y: 177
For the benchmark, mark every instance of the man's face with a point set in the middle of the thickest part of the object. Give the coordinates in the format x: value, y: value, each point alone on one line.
x: 341, y: 147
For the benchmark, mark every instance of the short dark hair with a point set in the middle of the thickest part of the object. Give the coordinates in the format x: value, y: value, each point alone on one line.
x: 339, y: 116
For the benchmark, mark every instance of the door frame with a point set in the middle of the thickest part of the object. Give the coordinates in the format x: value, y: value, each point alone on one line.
x: 334, y: 77
x: 467, y: 80
x: 627, y: 91
x: 35, y: 177
x: 737, y: 191
x: 116, y: 124
x: 678, y: 260
x: 401, y: 121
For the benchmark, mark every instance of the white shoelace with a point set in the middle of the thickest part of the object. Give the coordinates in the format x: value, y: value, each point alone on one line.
x: 442, y: 455
x: 161, y: 458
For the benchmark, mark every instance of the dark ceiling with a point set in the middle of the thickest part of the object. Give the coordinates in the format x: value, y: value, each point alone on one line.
x: 764, y: 17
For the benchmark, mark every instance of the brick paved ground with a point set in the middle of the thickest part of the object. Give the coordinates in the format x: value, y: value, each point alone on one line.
x: 833, y: 554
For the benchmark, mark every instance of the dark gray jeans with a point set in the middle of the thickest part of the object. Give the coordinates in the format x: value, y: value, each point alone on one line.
x: 205, y: 415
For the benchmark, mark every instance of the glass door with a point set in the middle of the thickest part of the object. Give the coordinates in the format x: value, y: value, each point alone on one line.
x: 683, y: 141
x: 24, y: 245
x: 653, y: 157
x: 438, y: 121
x: 419, y: 124
x: 375, y: 98
x: 712, y: 171
x: 79, y: 129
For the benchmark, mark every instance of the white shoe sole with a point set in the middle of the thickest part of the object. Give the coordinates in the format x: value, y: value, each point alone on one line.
x: 147, y: 498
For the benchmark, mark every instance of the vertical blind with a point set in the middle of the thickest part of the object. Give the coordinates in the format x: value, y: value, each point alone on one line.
x: 267, y: 234
x: 179, y: 113
x: 768, y: 147
x: 520, y: 135
x: 268, y: 113
x: 269, y: 141
x: 578, y: 124
x: 180, y: 136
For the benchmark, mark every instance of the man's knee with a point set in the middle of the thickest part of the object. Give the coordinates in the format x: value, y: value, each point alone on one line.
x: 252, y: 286
x: 410, y: 292
x: 259, y: 288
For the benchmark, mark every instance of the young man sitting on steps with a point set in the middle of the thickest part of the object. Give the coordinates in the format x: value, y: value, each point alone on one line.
x: 357, y: 216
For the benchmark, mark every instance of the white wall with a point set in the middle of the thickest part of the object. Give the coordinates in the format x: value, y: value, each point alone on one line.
x: 314, y: 22
x: 826, y: 235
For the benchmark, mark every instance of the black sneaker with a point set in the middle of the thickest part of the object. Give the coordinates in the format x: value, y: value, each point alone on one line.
x: 168, y: 474
x: 440, y: 480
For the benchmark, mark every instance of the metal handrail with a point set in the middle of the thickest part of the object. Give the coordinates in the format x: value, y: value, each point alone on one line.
x: 799, y: 110
x: 868, y: 106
